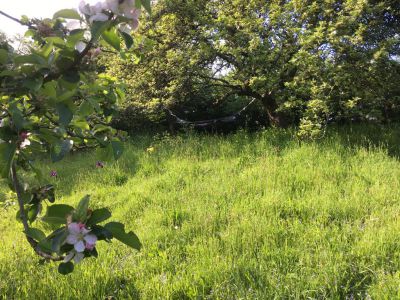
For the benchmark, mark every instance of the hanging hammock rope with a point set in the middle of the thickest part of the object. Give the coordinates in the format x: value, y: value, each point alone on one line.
x: 205, y: 123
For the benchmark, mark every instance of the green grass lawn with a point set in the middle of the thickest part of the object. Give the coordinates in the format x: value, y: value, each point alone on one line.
x: 245, y: 216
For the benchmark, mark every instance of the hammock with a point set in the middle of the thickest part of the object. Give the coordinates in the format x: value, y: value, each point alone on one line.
x: 205, y: 123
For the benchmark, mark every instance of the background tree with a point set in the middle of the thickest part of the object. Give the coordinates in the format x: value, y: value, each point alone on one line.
x: 308, y: 60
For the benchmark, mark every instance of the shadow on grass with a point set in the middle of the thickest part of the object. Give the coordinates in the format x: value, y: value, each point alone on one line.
x: 369, y: 136
x: 81, y: 166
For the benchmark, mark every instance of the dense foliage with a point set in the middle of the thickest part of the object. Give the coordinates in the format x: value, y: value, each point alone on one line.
x: 304, y: 61
x: 51, y: 102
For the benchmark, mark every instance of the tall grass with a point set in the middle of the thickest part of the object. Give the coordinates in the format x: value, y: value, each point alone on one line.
x: 244, y: 216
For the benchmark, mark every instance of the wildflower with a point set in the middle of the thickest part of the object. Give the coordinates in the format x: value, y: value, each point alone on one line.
x: 99, y: 164
x: 81, y: 238
x: 150, y: 150
x: 53, y: 173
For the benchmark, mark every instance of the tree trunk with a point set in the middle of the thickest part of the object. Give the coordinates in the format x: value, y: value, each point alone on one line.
x: 276, y: 118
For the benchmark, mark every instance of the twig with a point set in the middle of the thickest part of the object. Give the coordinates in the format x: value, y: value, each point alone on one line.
x: 30, y: 26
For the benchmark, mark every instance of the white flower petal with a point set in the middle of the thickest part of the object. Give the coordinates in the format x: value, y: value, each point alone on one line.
x: 90, y: 239
x: 97, y: 8
x: 131, y: 13
x: 74, y: 228
x: 98, y: 17
x: 112, y: 5
x: 72, y: 25
x: 25, y: 143
x: 79, y: 246
x: 78, y: 257
x: 84, y: 231
x: 69, y: 256
x: 84, y: 8
x: 80, y: 46
x: 72, y: 239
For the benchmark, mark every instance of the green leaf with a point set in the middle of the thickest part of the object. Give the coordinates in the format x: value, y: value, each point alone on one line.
x: 37, y: 171
x: 101, y: 233
x: 33, y: 212
x: 47, y: 192
x: 98, y: 28
x: 118, y: 231
x: 71, y: 76
x: 36, y: 234
x: 45, y: 245
x: 98, y: 216
x: 112, y: 38
x: 64, y: 63
x: 46, y: 50
x: 7, y: 152
x: 9, y: 73
x: 59, y: 151
x: 30, y: 59
x: 17, y: 117
x: 33, y: 84
x: 81, y: 211
x: 75, y: 36
x: 127, y: 39
x: 57, y: 214
x: 85, y: 109
x: 67, y: 14
x: 55, y: 40
x: 147, y: 5
x: 118, y: 149
x: 64, y: 113
x: 3, y: 56
x: 58, y: 240
x: 7, y: 134
x: 66, y: 95
x: 66, y: 268
x: 49, y: 89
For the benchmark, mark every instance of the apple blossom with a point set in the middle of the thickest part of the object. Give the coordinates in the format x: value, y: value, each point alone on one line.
x: 73, y: 25
x: 97, y: 11
x: 24, y: 139
x: 80, y: 46
x: 37, y: 103
x: 80, y: 237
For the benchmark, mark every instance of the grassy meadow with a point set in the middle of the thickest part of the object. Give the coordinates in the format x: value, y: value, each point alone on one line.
x: 243, y: 216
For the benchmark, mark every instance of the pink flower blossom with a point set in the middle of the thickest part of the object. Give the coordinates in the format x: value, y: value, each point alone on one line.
x: 24, y: 141
x: 82, y: 239
x: 53, y: 173
x: 99, y: 164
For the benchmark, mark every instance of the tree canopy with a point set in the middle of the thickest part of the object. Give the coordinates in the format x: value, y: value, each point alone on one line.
x: 304, y: 61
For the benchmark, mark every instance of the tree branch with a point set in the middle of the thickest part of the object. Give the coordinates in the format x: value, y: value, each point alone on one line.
x: 30, y: 26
